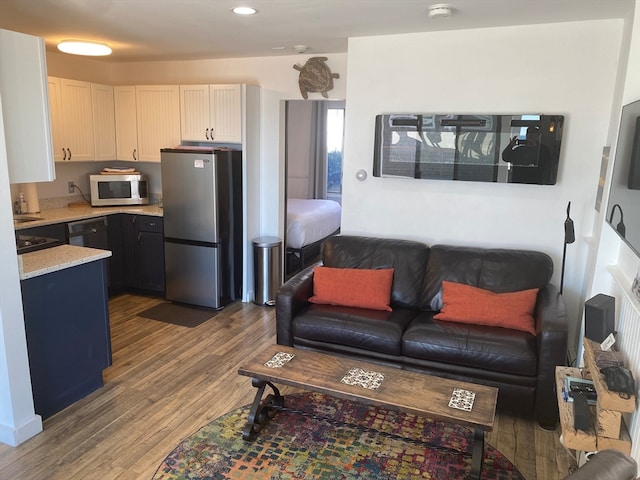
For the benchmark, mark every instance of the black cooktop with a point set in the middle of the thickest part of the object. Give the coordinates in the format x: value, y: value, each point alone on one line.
x: 31, y: 243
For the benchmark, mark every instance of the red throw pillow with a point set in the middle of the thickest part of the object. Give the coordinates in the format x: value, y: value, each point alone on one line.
x: 353, y: 287
x: 467, y: 304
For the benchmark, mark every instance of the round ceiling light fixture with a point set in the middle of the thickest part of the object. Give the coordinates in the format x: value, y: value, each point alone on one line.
x: 440, y: 10
x: 244, y: 10
x: 301, y: 48
x: 81, y: 47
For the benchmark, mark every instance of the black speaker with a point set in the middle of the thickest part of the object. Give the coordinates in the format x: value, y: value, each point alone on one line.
x: 599, y: 313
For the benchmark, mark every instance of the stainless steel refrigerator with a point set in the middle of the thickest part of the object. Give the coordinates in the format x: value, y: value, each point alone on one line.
x: 202, y: 201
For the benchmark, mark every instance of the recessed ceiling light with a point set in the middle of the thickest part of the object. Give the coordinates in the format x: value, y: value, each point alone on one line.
x: 244, y: 10
x: 80, y: 47
x: 440, y: 10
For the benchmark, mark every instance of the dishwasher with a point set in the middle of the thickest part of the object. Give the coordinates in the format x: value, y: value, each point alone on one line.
x: 90, y: 233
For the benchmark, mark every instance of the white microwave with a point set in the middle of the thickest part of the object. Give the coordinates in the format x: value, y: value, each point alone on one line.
x: 119, y: 189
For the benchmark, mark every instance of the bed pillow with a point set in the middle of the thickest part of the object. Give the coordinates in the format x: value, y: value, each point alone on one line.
x: 353, y: 287
x: 467, y: 304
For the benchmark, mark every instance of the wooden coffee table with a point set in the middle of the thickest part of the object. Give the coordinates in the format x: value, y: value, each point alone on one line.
x: 372, y: 384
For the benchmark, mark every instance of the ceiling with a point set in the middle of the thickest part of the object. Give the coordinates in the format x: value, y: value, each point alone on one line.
x: 147, y: 30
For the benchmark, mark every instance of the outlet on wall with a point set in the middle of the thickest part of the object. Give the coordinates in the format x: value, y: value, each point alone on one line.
x: 71, y: 186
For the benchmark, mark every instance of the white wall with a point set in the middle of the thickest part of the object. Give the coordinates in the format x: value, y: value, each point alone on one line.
x: 79, y: 68
x: 18, y: 422
x: 567, y: 69
x: 270, y: 73
x: 611, y: 250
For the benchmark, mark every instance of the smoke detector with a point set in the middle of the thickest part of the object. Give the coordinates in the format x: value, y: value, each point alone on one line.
x: 301, y: 48
x: 440, y: 10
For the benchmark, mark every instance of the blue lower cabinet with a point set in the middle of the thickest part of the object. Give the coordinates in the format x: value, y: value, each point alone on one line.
x: 66, y: 316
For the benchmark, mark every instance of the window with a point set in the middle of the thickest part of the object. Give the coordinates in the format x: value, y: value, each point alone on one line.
x: 335, y: 134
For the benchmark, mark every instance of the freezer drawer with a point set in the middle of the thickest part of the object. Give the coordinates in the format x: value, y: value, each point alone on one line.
x: 192, y: 274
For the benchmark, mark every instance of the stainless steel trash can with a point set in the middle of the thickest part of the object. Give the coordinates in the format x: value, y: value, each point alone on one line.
x: 267, y: 269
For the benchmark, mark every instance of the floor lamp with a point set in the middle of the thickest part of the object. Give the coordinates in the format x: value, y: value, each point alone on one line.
x: 569, y: 237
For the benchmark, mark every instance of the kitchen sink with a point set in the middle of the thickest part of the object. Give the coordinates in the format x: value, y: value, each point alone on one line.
x: 18, y: 219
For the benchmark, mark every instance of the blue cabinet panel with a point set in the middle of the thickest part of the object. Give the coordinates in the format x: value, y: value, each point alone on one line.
x: 66, y: 317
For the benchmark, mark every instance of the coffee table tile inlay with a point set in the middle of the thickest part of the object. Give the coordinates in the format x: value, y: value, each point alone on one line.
x: 363, y: 378
x: 407, y: 391
x: 279, y: 359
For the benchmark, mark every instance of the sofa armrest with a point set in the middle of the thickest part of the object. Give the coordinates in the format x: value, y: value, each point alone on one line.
x: 292, y: 297
x: 606, y: 464
x: 552, y: 335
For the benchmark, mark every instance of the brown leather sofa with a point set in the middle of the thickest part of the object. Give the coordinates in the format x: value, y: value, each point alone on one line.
x: 607, y: 465
x: 521, y: 365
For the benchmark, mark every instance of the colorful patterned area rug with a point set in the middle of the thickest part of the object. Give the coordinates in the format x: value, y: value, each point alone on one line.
x: 328, y: 438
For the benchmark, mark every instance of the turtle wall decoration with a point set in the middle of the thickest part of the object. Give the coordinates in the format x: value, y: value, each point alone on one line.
x: 315, y: 76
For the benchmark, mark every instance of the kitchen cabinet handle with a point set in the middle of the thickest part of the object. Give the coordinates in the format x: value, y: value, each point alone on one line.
x: 134, y: 154
x: 212, y: 134
x: 206, y: 134
x: 64, y: 154
x: 69, y: 151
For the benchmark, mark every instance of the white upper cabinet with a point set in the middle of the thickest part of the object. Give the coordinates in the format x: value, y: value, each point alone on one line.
x: 211, y: 113
x: 104, y: 124
x: 25, y: 108
x: 226, y: 113
x: 126, y: 123
x: 75, y: 114
x: 195, y: 120
x: 158, y: 119
x: 55, y: 111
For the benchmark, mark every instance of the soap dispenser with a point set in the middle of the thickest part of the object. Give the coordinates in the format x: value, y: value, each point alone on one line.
x: 22, y: 204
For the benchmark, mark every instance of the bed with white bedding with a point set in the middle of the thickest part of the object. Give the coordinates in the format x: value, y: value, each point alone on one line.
x: 309, y: 222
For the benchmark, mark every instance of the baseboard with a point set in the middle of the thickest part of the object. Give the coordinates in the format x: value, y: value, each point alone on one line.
x: 15, y: 436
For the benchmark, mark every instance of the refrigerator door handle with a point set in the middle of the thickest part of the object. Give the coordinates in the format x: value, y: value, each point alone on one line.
x: 184, y: 241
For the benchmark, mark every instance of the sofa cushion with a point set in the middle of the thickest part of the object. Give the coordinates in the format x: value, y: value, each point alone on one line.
x: 478, y: 346
x: 498, y: 270
x: 353, y: 287
x: 407, y: 258
x: 373, y: 330
x: 467, y: 304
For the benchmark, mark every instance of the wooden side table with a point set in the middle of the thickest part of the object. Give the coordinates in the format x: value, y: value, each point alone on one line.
x: 608, y: 429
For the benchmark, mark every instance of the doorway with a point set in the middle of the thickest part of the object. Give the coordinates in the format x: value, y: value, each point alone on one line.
x: 314, y: 139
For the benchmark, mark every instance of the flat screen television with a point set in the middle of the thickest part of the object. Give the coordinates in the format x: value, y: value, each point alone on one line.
x: 634, y: 165
x: 623, y: 207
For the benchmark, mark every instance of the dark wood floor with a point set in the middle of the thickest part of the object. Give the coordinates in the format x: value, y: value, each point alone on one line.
x: 167, y: 381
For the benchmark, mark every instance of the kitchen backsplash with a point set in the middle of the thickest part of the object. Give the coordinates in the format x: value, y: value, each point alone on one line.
x: 53, y: 194
x: 59, y: 202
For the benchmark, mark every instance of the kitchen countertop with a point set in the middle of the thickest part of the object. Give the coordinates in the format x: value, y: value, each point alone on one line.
x: 50, y: 260
x: 57, y: 258
x: 71, y: 214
